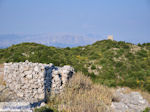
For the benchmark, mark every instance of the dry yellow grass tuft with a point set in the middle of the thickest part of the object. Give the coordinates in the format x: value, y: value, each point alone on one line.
x: 1, y: 75
x: 81, y: 95
x: 1, y: 65
x: 1, y: 80
x: 3, y: 95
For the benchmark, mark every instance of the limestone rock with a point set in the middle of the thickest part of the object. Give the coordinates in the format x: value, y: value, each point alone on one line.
x: 29, y: 76
x: 37, y: 69
x: 42, y: 104
x: 131, y: 102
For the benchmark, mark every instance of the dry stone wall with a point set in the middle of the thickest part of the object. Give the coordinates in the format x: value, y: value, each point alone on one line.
x: 34, y: 81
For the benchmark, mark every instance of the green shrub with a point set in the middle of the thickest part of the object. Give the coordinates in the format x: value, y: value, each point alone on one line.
x: 93, y: 67
x: 147, y: 109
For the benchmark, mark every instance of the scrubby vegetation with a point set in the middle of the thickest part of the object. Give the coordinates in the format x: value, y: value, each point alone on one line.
x: 107, y: 62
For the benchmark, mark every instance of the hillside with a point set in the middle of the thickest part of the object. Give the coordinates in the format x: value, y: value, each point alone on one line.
x: 107, y: 62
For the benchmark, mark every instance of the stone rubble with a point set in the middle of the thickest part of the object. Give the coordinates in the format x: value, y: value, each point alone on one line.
x: 32, y: 81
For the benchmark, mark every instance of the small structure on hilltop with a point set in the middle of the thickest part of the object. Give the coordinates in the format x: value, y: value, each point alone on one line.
x: 110, y: 37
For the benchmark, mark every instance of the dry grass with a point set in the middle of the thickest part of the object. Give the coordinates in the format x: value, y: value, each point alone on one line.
x: 2, y: 82
x: 3, y: 95
x: 81, y: 95
x: 1, y: 79
x: 1, y: 75
x: 1, y: 65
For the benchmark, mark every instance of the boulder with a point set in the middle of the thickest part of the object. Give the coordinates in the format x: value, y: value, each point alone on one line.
x: 129, y: 102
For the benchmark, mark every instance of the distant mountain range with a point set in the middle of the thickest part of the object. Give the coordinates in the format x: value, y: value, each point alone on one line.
x: 57, y: 40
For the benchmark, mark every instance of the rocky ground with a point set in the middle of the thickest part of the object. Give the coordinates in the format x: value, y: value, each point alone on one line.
x: 129, y: 102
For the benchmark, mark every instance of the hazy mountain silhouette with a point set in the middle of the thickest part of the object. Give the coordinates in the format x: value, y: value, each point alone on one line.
x: 57, y: 40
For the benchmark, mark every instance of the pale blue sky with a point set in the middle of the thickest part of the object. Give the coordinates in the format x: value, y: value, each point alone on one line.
x: 127, y: 20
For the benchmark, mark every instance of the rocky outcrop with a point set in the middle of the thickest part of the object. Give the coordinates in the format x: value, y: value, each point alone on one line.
x: 34, y: 81
x: 129, y: 102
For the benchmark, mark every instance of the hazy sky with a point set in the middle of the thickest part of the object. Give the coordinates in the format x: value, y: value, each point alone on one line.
x: 127, y: 20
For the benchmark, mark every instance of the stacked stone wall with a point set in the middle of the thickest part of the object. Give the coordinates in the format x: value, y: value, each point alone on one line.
x: 32, y: 81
